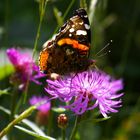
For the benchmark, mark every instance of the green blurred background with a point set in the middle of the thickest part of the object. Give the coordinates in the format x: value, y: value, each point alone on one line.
x: 117, y: 20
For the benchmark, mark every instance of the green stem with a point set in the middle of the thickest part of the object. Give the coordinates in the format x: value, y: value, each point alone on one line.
x: 72, y: 136
x: 13, y: 103
x: 50, y: 123
x: 19, y: 103
x: 63, y: 134
x: 37, y: 36
x: 22, y: 116
x: 68, y: 9
x: 26, y: 89
x: 42, y: 6
x: 83, y: 4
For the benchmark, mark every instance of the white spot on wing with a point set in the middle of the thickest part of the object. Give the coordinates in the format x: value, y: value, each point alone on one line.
x: 71, y: 30
x: 87, y: 26
x: 81, y: 32
x: 85, y: 16
x: 70, y: 35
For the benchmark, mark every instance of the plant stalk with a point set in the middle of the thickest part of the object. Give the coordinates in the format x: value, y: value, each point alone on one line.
x: 74, y: 130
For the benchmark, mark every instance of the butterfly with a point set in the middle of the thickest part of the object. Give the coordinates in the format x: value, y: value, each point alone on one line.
x: 69, y: 50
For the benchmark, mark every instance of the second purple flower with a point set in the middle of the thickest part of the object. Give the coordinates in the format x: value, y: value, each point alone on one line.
x: 25, y: 68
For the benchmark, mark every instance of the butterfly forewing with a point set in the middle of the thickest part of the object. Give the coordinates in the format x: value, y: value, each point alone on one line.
x: 70, y: 48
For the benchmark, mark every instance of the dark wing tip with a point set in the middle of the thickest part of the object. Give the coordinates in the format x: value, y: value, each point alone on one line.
x: 80, y: 11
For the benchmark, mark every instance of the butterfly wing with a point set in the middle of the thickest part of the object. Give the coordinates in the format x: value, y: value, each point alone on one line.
x: 76, y: 32
x: 69, y: 50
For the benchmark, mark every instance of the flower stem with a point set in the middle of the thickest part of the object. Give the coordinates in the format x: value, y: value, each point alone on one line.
x: 83, y: 4
x: 13, y: 103
x: 42, y: 8
x: 63, y: 133
x: 50, y: 123
x: 26, y: 90
x: 37, y: 36
x: 51, y: 117
x: 72, y: 136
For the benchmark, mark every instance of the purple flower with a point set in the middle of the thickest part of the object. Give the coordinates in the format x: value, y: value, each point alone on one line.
x: 25, y: 68
x: 38, y: 99
x: 88, y: 90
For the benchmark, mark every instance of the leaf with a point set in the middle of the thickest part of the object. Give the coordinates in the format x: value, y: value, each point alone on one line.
x: 101, y: 119
x: 58, y: 109
x: 33, y: 133
x: 6, y: 71
x: 58, y: 16
x: 17, y: 120
x: 27, y: 122
x: 94, y: 119
x: 33, y: 126
x: 4, y: 91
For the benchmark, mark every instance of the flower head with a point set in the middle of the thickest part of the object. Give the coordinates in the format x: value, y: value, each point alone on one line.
x: 88, y: 90
x: 38, y: 99
x: 25, y: 68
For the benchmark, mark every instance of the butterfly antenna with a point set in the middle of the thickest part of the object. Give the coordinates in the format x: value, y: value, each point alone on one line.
x: 104, y: 54
x: 96, y: 67
x: 108, y: 44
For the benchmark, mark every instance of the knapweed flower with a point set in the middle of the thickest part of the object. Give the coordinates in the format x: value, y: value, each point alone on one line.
x: 43, y: 110
x: 45, y: 107
x: 25, y: 68
x: 88, y: 90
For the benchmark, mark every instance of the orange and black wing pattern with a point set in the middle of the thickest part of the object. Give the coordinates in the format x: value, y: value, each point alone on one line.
x: 69, y: 50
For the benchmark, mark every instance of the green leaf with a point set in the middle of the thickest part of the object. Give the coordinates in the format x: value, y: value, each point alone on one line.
x: 94, y: 119
x: 58, y: 109
x: 36, y: 135
x: 6, y: 71
x: 5, y: 91
x: 101, y: 119
x: 27, y: 122
x: 58, y: 16
x: 17, y: 120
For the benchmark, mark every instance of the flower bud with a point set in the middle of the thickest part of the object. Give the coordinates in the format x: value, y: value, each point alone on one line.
x: 62, y: 121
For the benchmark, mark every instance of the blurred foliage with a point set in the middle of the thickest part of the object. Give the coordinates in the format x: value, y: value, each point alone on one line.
x: 112, y: 20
